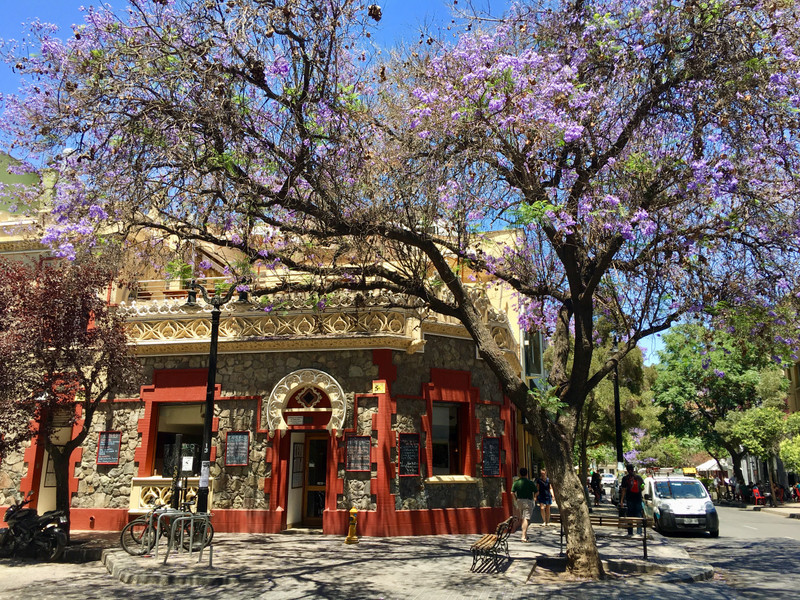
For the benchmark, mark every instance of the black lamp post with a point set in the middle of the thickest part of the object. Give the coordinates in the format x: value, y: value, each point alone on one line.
x: 216, y: 303
x: 617, y: 411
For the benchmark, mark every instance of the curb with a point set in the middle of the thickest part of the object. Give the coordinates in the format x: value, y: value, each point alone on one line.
x: 130, y: 574
x: 776, y: 511
x: 77, y: 555
x: 631, y: 566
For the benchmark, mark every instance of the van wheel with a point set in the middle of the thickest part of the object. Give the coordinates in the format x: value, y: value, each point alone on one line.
x: 657, y: 525
x: 714, y: 533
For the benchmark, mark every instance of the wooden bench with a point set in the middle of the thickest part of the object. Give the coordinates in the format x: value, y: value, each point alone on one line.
x: 609, y: 521
x: 492, y: 546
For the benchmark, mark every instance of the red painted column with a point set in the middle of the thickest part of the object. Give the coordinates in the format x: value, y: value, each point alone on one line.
x: 385, y: 521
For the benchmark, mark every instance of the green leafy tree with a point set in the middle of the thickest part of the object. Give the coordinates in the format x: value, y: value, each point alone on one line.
x: 761, y: 430
x: 790, y: 447
x: 704, y: 375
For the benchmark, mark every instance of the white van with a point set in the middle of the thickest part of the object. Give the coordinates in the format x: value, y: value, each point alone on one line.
x: 680, y: 504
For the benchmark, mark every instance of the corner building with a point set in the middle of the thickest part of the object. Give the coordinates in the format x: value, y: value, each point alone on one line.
x: 316, y: 412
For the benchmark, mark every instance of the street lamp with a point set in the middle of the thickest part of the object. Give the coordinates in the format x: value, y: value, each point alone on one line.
x: 617, y: 412
x: 216, y: 303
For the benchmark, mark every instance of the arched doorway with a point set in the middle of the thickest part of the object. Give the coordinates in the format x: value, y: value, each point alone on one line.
x: 309, y: 407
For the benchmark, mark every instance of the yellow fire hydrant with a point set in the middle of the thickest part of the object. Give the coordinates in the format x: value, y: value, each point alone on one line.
x: 351, y: 534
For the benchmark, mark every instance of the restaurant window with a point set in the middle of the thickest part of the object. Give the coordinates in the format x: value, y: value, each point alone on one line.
x: 446, y: 439
x: 174, y: 419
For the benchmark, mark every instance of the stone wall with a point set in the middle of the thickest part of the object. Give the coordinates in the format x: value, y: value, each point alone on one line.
x: 444, y: 353
x: 12, y: 471
x: 257, y: 374
x: 109, y: 486
x: 240, y: 487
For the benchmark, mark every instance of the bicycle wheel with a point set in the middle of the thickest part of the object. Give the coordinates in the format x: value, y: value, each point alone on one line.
x: 138, y: 537
x: 202, y: 536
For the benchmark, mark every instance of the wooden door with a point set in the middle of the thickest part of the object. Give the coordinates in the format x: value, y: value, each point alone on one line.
x: 316, y: 469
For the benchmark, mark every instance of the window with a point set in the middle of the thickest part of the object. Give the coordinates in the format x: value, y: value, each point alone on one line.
x: 186, y: 420
x: 532, y: 349
x: 445, y: 442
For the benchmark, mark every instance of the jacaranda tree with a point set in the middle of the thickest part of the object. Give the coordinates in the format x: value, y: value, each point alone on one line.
x: 642, y: 154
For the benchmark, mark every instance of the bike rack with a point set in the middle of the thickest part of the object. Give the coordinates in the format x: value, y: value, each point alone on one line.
x: 196, y: 523
x: 163, y: 515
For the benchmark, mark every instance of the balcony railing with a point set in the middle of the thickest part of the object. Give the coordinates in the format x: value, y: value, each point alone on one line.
x: 149, y: 491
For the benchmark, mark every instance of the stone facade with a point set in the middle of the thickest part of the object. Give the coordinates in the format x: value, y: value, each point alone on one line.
x: 12, y: 471
x: 246, y: 381
x: 109, y: 486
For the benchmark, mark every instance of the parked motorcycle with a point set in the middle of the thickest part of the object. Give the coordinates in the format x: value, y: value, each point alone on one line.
x: 29, y: 534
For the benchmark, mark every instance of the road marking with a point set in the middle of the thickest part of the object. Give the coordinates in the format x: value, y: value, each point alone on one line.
x: 753, y: 528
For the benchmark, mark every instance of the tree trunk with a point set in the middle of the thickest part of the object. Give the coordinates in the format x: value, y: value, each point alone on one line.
x: 583, y: 459
x: 736, y: 459
x: 582, y: 555
x: 770, y: 467
x: 60, y: 458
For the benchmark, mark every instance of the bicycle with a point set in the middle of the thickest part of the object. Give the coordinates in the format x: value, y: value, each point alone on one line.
x: 140, y: 536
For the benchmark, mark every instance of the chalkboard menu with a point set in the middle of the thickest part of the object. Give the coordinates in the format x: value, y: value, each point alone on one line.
x: 408, y: 454
x: 358, y: 453
x: 491, y: 457
x: 108, y: 447
x: 237, y: 448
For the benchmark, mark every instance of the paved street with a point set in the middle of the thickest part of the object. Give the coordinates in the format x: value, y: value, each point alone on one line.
x: 756, y: 556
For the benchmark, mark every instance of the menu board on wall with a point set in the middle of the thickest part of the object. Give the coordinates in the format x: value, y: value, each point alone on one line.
x: 237, y: 449
x: 491, y: 457
x: 408, y: 454
x: 108, y: 447
x: 358, y: 453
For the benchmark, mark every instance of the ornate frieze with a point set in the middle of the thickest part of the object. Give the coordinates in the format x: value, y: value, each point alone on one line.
x: 347, y: 320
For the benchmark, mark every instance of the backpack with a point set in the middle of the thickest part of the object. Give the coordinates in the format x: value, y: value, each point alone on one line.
x: 633, y: 485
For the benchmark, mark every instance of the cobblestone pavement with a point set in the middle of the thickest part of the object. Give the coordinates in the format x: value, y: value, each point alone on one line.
x: 315, y: 566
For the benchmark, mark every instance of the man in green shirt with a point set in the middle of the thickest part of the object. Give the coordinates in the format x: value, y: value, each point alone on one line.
x: 524, y: 490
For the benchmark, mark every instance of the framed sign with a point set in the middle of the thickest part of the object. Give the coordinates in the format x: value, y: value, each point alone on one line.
x: 358, y: 453
x: 237, y: 449
x: 491, y: 457
x: 408, y: 454
x: 49, y: 473
x: 108, y: 444
x: 297, y: 465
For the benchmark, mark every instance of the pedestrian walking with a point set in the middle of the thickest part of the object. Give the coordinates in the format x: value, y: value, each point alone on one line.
x: 524, y: 491
x: 544, y: 496
x: 631, y: 498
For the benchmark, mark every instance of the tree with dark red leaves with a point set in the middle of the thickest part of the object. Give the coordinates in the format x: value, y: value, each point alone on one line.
x: 63, y: 352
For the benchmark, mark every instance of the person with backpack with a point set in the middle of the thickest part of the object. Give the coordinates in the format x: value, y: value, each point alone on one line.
x: 631, y: 496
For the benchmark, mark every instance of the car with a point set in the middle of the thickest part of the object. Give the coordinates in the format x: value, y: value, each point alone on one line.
x: 615, y: 493
x: 680, y: 504
x: 608, y: 481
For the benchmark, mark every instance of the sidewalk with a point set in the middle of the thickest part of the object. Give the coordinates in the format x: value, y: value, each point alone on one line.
x: 790, y: 510
x: 315, y: 565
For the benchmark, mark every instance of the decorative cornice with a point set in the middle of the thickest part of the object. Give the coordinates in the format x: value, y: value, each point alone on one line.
x: 170, y: 326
